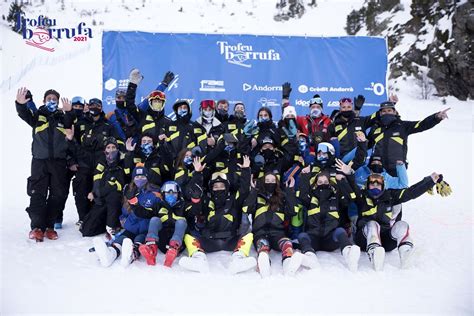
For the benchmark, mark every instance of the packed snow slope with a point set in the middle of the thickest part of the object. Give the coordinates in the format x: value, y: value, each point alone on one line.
x: 63, y: 277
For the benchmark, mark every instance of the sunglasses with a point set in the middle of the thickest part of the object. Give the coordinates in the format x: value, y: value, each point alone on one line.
x: 343, y: 100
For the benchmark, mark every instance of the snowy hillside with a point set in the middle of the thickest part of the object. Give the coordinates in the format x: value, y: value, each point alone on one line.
x: 63, y: 277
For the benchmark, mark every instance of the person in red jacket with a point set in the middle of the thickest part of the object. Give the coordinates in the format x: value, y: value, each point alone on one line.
x: 315, y: 124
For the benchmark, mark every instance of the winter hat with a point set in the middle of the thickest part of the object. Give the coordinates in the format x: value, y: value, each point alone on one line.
x: 230, y: 138
x: 140, y: 170
x: 51, y: 91
x: 268, y: 140
x: 111, y: 140
x: 120, y: 93
x: 179, y: 103
x: 289, y: 110
x: 387, y: 105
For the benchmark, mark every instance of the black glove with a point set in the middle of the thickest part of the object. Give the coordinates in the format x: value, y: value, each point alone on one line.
x: 169, y: 76
x: 129, y: 194
x: 28, y: 95
x: 286, y: 90
x: 359, y: 102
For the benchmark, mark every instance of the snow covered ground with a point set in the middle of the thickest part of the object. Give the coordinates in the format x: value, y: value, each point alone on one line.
x: 63, y: 277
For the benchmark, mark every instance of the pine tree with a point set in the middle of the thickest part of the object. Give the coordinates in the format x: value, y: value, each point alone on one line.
x: 15, y: 9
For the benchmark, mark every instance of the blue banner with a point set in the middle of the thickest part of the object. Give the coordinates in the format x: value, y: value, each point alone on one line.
x: 247, y: 68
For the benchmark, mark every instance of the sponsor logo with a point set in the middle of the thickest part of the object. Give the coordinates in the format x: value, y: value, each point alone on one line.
x: 303, y: 88
x: 40, y: 31
x: 110, y: 84
x: 254, y: 87
x: 377, y: 88
x: 242, y: 55
x: 212, y: 85
x: 268, y: 102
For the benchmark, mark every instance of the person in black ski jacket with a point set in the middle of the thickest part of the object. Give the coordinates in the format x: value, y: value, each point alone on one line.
x: 48, y: 183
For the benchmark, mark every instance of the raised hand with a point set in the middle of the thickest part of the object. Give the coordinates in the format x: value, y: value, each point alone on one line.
x: 286, y: 90
x: 246, y: 162
x: 360, y: 136
x: 169, y: 76
x: 67, y: 105
x: 197, y: 164
x: 306, y: 169
x: 128, y: 144
x: 135, y: 76
x: 21, y: 96
x: 341, y: 166
x: 339, y: 177
x: 290, y: 183
x: 443, y: 114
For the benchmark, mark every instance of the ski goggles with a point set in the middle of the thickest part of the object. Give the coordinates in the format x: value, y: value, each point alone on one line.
x: 205, y: 104
x: 375, y: 179
x: 343, y: 100
x: 78, y: 101
x: 219, y: 176
x: 316, y: 101
x: 170, y: 188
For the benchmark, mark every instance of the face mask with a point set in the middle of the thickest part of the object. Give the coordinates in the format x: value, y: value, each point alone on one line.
x: 270, y: 187
x: 147, y: 148
x: 140, y: 182
x: 171, y: 199
x: 239, y: 114
x: 157, y: 105
x: 376, y: 168
x: 229, y: 148
x: 315, y: 113
x: 182, y: 112
x: 325, y: 191
x: 348, y: 114
x: 287, y: 121
x: 188, y: 160
x: 208, y: 114
x: 322, y: 160
x: 78, y: 112
x: 111, y: 156
x: 52, y: 106
x: 222, y: 112
x: 374, y: 192
x: 263, y: 119
x: 386, y: 119
x: 95, y: 111
x: 268, y: 154
x: 302, y: 145
x: 219, y: 195
x: 120, y: 104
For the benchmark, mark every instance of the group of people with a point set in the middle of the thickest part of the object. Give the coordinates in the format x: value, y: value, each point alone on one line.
x: 298, y: 186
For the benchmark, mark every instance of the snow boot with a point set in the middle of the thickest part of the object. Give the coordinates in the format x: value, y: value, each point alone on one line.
x: 376, y: 255
x: 149, y: 252
x: 51, y: 234
x: 171, y: 253
x: 263, y: 264
x: 37, y: 235
x: 292, y: 264
x: 128, y: 253
x: 107, y: 255
x: 58, y: 225
x: 405, y: 252
x: 310, y: 260
x: 351, y: 256
x: 240, y: 262
x: 197, y: 262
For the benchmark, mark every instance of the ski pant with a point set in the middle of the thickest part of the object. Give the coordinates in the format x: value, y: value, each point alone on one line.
x: 337, y: 238
x: 241, y: 242
x: 276, y: 241
x: 389, y: 239
x: 47, y: 187
x: 104, y: 212
x: 81, y: 186
x: 156, y: 225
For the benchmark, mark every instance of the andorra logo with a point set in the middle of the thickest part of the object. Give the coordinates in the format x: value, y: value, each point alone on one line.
x: 38, y: 32
x: 240, y: 54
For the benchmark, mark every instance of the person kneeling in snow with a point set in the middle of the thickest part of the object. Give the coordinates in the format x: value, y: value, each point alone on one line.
x: 138, y: 193
x: 225, y: 227
x: 376, y: 232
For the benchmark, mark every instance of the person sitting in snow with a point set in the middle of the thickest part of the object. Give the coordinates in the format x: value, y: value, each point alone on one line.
x: 139, y: 192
